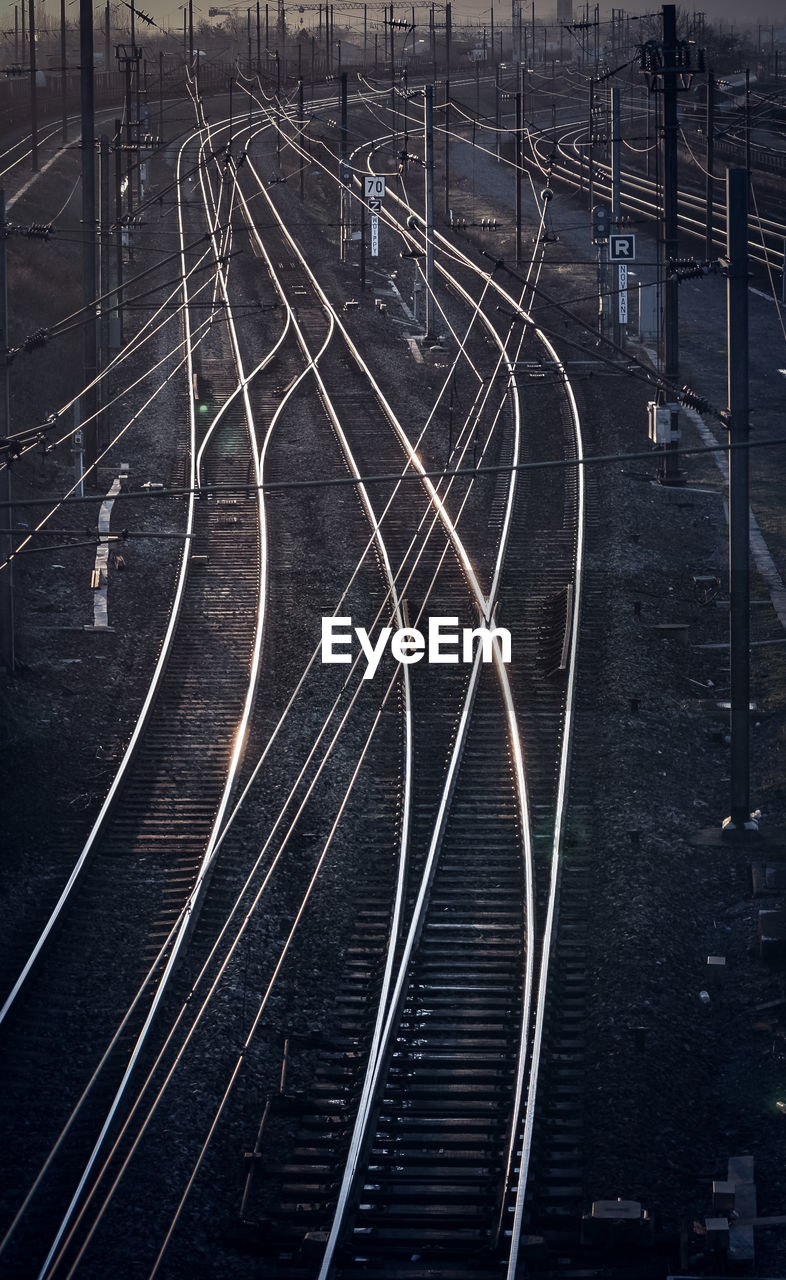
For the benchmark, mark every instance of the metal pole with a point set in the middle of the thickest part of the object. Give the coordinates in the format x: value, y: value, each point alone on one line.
x: 393, y: 85
x: 6, y: 543
x: 429, y: 202
x: 748, y: 119
x: 63, y: 80
x: 88, y: 398
x: 517, y: 161
x: 710, y: 129
x: 362, y: 243
x: 590, y: 145
x: 105, y: 284
x: 118, y: 145
x: 160, y: 97
x: 342, y: 186
x: 191, y: 35
x: 739, y: 525
x: 34, y: 91
x: 278, y: 113
x: 739, y: 520
x: 497, y: 121
x: 671, y: 364
x: 615, y: 196
x: 259, y: 40
x: 301, y: 124
x: 448, y: 34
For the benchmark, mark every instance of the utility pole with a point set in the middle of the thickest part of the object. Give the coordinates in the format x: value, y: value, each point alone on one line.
x: 590, y: 146
x: 301, y: 124
x: 343, y: 191
x: 6, y: 512
x: 278, y: 114
x: 259, y: 40
x: 533, y: 32
x: 448, y: 34
x: 615, y: 208
x: 104, y: 282
x: 671, y: 361
x: 429, y: 205
x: 63, y: 80
x: 88, y: 398
x: 739, y: 520
x: 160, y: 97
x: 33, y: 93
x: 517, y: 162
x: 191, y: 36
x: 118, y: 148
x: 710, y: 165
x: 748, y: 119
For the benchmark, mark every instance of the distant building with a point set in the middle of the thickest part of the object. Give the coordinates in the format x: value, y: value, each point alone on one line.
x: 564, y: 10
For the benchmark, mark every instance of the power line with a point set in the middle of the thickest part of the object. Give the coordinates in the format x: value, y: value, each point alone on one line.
x: 282, y: 486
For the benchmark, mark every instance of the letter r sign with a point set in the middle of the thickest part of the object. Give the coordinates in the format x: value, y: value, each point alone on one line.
x: 622, y: 248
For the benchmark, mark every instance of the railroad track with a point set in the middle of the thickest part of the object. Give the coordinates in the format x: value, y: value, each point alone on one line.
x: 469, y: 772
x: 639, y: 195
x: 96, y: 973
x: 561, y: 154
x: 401, y: 1193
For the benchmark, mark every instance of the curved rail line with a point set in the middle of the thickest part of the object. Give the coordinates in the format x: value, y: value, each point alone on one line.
x: 374, y: 1064
x: 181, y: 923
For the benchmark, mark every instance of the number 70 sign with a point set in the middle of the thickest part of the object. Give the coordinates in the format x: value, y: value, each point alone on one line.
x: 373, y: 187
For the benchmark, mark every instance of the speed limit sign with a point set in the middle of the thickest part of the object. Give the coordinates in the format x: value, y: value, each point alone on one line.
x: 373, y: 187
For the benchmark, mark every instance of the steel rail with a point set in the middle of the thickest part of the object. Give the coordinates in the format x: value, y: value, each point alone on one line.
x: 486, y: 608
x: 130, y: 750
x: 383, y: 1037
x: 375, y: 1066
x: 562, y: 792
x: 186, y: 920
x: 290, y: 391
x: 638, y: 194
x: 312, y: 367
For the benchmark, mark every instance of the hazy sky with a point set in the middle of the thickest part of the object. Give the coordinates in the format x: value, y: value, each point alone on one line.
x: 753, y: 11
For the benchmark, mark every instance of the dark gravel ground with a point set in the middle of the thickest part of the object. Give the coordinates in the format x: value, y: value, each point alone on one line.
x: 662, y: 1119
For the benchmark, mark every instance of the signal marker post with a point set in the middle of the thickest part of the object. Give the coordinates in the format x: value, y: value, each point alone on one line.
x: 622, y: 250
x: 373, y: 195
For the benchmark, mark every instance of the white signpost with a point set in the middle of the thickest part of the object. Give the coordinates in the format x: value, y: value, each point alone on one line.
x: 374, y: 193
x: 623, y: 292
